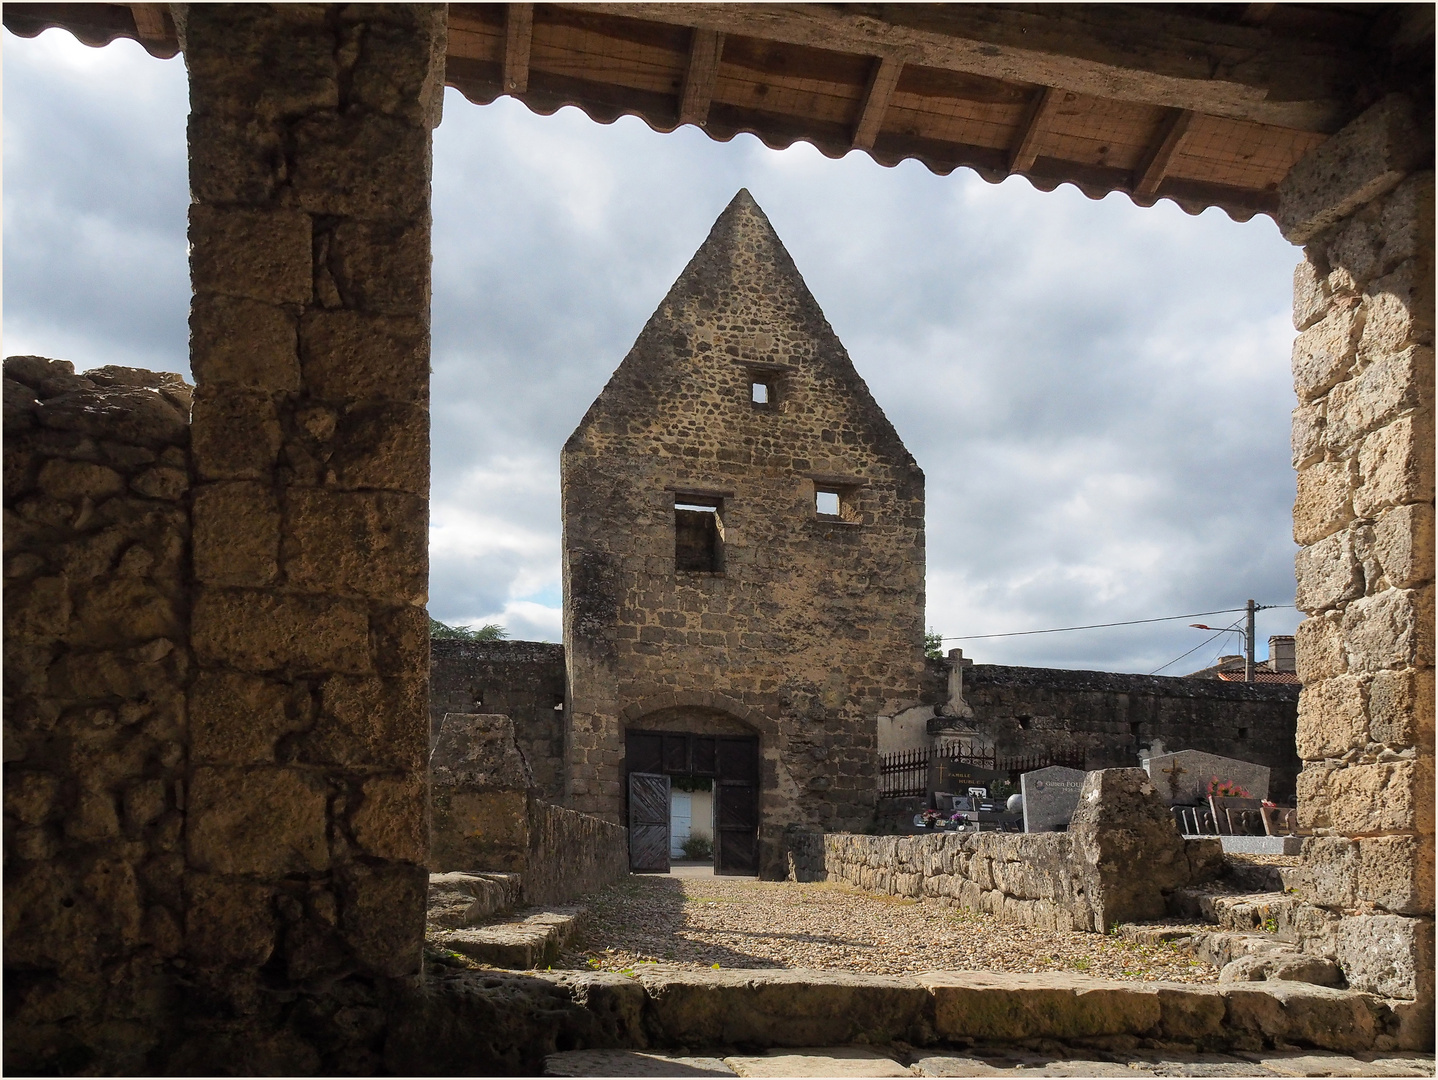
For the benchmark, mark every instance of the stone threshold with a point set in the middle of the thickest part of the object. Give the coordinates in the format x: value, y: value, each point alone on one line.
x: 526, y: 1017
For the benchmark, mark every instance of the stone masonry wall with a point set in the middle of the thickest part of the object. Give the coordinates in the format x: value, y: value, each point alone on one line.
x: 523, y: 680
x: 812, y: 627
x: 572, y: 854
x: 97, y: 659
x: 1080, y: 880
x: 1362, y: 205
x: 1108, y: 717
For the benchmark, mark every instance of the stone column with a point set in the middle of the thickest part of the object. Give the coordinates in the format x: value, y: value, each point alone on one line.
x: 309, y: 139
x: 1362, y: 204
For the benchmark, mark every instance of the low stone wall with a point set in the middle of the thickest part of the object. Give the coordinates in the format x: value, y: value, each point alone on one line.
x: 571, y: 854
x: 1118, y: 862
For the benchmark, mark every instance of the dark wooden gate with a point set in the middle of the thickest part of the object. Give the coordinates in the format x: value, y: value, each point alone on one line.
x: 649, y: 822
x: 733, y: 763
x: 736, y: 807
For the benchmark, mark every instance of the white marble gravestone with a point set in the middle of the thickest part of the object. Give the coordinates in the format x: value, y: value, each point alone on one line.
x: 1183, y: 778
x: 1050, y: 797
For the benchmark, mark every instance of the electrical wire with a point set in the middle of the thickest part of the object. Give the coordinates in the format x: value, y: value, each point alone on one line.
x: 1100, y: 626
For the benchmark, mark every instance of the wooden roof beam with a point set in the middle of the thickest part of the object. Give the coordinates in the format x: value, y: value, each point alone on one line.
x: 883, y: 78
x: 700, y: 77
x: 1026, y: 149
x: 1124, y: 52
x: 150, y: 22
x: 1168, y: 141
x: 518, y: 36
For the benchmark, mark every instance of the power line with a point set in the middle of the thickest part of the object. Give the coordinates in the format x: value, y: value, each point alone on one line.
x: 1102, y: 625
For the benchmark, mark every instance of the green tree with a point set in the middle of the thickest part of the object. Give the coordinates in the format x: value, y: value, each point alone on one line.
x: 934, y: 645
x: 487, y: 632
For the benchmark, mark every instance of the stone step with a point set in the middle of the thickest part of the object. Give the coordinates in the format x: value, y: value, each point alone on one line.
x: 1266, y: 912
x: 461, y: 899
x: 533, y: 938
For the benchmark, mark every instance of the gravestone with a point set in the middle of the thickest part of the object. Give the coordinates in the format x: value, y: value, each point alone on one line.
x: 1182, y: 779
x: 1050, y: 796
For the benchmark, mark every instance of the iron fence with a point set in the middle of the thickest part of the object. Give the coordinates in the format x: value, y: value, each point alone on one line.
x: 905, y: 773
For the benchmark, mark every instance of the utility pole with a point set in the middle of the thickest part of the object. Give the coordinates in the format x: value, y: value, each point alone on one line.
x: 1248, y: 643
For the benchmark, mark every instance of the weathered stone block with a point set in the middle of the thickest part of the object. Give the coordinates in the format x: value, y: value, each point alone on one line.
x: 1393, y: 629
x: 370, y: 722
x: 1406, y: 226
x: 263, y: 820
x: 243, y: 342
x: 395, y: 77
x: 161, y: 483
x: 1306, y: 437
x: 228, y: 921
x: 1400, y: 708
x: 264, y: 255
x: 123, y: 414
x: 237, y: 533
x: 382, y: 916
x: 258, y: 632
x: 1393, y: 872
x: 1332, y: 717
x: 1395, y: 465
x: 379, y: 264
x: 235, y: 433
x: 1328, y: 572
x: 123, y: 611
x: 1324, y: 504
x: 238, y: 719
x: 1310, y: 290
x: 392, y: 819
x: 1324, y: 353
x: 359, y: 165
x: 1387, y: 955
x: 1368, y: 158
x: 1393, y: 383
x: 400, y: 638
x: 39, y: 607
x: 75, y: 480
x: 352, y: 355
x: 382, y: 446
x: 371, y: 543
x: 1403, y: 544
x: 1390, y: 796
x: 1318, y: 648
x: 1398, y: 313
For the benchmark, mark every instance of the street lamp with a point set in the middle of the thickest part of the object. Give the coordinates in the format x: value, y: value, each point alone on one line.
x: 1247, y: 633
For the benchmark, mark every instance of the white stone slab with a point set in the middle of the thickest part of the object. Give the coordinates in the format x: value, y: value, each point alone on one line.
x: 824, y: 1061
x: 1262, y: 845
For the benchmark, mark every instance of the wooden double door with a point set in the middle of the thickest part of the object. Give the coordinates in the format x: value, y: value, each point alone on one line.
x: 731, y: 761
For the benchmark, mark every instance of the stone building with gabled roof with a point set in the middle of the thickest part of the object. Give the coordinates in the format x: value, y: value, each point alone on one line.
x: 743, y: 558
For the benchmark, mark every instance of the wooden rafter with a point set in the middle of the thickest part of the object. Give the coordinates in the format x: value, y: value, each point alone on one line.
x: 518, y: 35
x: 700, y: 76
x: 150, y: 21
x: 1168, y: 141
x: 1026, y: 148
x: 882, y: 80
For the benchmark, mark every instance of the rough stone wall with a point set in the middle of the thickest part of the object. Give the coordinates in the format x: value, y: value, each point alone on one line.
x: 309, y: 138
x: 97, y: 549
x: 572, y: 854
x: 1084, y: 879
x: 523, y: 680
x: 1108, y: 717
x: 1362, y: 204
x: 814, y: 626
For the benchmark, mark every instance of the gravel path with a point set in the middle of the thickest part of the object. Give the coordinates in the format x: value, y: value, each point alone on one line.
x: 732, y: 922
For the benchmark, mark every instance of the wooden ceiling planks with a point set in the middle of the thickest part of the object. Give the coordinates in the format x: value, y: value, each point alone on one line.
x: 1206, y: 104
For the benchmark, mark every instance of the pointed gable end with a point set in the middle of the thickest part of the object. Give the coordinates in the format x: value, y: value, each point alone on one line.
x: 738, y: 342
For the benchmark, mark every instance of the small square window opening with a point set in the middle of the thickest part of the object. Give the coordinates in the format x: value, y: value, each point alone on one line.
x: 826, y: 503
x: 759, y: 393
x: 698, y: 536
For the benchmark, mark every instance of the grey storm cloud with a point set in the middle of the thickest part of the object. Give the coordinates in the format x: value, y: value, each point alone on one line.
x: 1098, y: 393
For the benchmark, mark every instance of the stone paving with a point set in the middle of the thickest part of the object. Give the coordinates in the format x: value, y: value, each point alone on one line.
x: 844, y: 1061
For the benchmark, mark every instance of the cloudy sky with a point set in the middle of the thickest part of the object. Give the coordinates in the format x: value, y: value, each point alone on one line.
x: 1098, y: 394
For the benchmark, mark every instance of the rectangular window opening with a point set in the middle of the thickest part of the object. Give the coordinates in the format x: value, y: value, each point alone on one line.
x: 759, y: 393
x: 827, y: 503
x: 698, y: 535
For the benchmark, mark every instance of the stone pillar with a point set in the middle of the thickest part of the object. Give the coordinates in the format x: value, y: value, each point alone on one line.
x: 309, y: 140
x: 1362, y: 204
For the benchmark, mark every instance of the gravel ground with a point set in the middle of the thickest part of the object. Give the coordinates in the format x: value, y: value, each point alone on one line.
x: 732, y: 922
